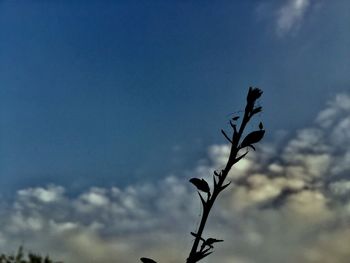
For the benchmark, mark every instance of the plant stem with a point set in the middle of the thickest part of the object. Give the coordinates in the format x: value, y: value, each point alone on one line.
x: 210, y: 201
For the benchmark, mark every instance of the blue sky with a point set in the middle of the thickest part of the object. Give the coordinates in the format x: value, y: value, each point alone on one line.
x: 103, y: 91
x: 125, y: 93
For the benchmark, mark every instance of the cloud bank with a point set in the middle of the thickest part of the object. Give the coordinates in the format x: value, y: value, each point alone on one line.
x: 289, y: 202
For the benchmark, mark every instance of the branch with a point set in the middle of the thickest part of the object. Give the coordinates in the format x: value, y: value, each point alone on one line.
x: 253, y: 94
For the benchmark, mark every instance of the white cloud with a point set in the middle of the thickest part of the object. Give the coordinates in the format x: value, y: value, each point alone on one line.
x: 290, y: 15
x: 287, y: 204
x: 51, y: 194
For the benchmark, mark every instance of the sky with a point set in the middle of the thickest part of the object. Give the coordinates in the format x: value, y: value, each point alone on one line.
x: 108, y: 108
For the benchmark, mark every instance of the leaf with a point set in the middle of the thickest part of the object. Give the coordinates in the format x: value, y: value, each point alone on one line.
x: 253, y: 94
x: 240, y: 157
x: 256, y: 110
x: 147, y: 260
x: 261, y: 126
x: 224, y: 186
x: 200, y: 255
x: 201, y: 184
x: 226, y: 136
x: 235, y: 118
x: 217, y: 174
x: 252, y: 137
x: 211, y: 241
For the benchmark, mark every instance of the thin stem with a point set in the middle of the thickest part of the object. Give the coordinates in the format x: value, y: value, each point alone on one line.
x: 207, y: 207
x: 254, y: 137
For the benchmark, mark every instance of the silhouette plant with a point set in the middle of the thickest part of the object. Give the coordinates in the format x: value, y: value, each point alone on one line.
x: 19, y: 258
x: 203, y: 247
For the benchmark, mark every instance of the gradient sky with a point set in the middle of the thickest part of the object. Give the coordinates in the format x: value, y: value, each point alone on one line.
x: 103, y: 92
x: 118, y: 93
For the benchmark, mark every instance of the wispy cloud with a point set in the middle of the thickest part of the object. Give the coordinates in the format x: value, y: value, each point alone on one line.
x: 290, y: 15
x: 288, y: 203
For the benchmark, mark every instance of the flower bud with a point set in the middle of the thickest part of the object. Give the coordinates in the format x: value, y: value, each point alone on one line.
x: 253, y: 95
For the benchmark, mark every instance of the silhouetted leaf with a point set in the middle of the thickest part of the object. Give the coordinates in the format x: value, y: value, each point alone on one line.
x: 252, y: 137
x: 217, y: 174
x: 253, y: 94
x: 200, y: 255
x: 261, y: 126
x: 240, y: 157
x: 207, y: 254
x: 224, y: 186
x: 226, y: 136
x: 211, y: 241
x: 201, y: 184
x: 256, y: 110
x: 147, y: 260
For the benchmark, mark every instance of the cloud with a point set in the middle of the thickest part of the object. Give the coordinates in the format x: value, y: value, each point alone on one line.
x: 51, y: 194
x: 290, y: 15
x: 289, y: 202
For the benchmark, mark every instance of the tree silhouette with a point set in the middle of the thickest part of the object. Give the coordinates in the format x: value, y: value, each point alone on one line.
x: 19, y: 258
x: 203, y: 247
